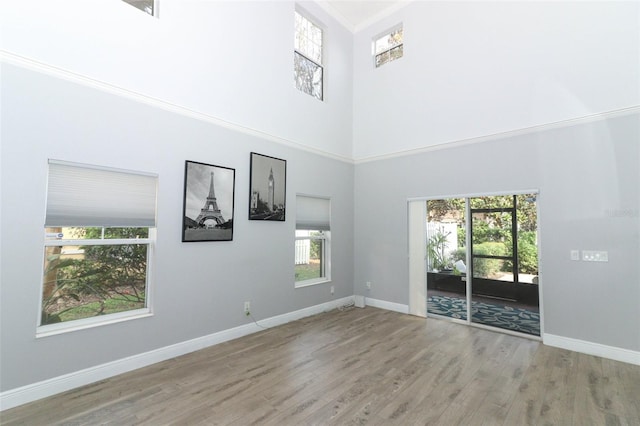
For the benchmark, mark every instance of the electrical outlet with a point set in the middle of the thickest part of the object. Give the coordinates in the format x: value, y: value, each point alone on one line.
x: 575, y: 254
x: 333, y: 290
x: 368, y: 285
x: 247, y: 308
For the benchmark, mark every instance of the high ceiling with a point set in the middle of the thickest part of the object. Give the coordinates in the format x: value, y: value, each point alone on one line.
x: 357, y: 14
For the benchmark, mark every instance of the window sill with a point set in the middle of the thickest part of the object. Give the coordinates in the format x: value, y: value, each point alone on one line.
x: 308, y: 283
x: 68, y: 327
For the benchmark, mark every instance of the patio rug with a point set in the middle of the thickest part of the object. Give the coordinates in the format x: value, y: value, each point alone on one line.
x: 496, y: 315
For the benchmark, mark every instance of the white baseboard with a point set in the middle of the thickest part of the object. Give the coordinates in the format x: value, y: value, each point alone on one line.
x: 590, y: 348
x: 25, y: 394
x: 15, y: 397
x: 390, y: 306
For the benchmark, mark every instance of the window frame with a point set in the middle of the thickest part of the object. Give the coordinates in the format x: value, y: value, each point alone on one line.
x: 313, y: 214
x: 94, y: 321
x: 59, y: 241
x: 305, y: 56
x: 387, y: 33
x: 325, y: 273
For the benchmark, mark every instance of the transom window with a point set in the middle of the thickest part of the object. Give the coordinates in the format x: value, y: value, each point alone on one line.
x: 98, y: 240
x: 307, y: 57
x: 388, y: 47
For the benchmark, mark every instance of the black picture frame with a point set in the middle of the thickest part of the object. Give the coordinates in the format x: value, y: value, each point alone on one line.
x: 267, y: 188
x: 208, y: 205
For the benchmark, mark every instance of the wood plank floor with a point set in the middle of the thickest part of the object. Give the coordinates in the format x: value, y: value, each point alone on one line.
x: 359, y: 366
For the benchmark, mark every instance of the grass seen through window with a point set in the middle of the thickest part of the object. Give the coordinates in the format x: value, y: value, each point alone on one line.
x: 82, y: 281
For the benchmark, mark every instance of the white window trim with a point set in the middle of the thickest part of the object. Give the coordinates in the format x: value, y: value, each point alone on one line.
x: 85, y: 323
x: 98, y: 321
x: 322, y: 28
x: 149, y: 242
x: 326, y: 247
x: 323, y: 57
x: 388, y: 32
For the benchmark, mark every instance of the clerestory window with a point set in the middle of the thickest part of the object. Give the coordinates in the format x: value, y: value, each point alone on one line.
x: 307, y: 57
x: 388, y: 47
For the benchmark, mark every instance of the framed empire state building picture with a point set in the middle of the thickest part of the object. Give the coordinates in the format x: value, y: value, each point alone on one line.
x: 268, y: 188
x: 208, y: 202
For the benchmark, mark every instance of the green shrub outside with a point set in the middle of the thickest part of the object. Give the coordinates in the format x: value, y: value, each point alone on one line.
x: 484, y: 267
x: 527, y: 252
x: 488, y: 267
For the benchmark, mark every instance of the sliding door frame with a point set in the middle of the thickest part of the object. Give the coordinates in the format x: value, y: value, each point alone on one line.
x: 417, y: 289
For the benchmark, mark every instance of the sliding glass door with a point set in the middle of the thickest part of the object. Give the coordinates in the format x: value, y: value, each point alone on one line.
x: 504, y: 262
x: 446, y: 258
x: 482, y: 261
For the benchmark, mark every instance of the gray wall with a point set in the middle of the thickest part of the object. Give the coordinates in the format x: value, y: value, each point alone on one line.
x: 198, y: 288
x: 470, y: 69
x: 588, y: 177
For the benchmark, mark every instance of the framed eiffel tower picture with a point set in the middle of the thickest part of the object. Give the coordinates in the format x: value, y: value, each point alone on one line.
x: 208, y: 202
x: 268, y: 188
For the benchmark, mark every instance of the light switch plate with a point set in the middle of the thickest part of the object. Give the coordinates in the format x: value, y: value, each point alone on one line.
x: 595, y: 256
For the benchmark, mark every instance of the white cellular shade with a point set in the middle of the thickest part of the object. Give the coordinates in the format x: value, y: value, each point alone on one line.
x: 313, y: 213
x: 83, y: 195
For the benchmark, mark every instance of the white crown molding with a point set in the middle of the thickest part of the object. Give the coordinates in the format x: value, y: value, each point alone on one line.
x: 335, y: 14
x: 381, y: 15
x: 502, y: 135
x: 32, y: 392
x: 33, y: 65
x: 328, y: 7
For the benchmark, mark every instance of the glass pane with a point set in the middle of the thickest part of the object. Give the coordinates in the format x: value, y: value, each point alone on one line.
x: 389, y: 41
x: 498, y: 201
x: 309, y: 257
x: 126, y: 233
x: 446, y: 258
x: 506, y: 315
x: 527, y: 238
x: 382, y: 58
x: 307, y: 76
x: 494, y: 269
x: 73, y: 233
x: 86, y: 281
x: 396, y: 53
x: 499, y: 297
x: 492, y: 233
x: 94, y: 233
x: 308, y: 38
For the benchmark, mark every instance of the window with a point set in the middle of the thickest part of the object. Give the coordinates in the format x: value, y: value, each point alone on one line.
x: 307, y: 57
x: 98, y: 238
x: 389, y: 47
x: 147, y: 6
x: 313, y: 241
